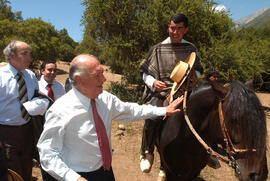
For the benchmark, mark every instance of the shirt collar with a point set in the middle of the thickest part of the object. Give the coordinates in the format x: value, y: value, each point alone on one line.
x: 44, y: 82
x: 168, y: 41
x: 14, y: 71
x: 85, y: 101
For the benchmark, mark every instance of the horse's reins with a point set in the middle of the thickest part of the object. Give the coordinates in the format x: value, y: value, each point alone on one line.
x: 208, y: 148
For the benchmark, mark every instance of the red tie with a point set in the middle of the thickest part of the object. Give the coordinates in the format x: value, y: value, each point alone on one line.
x: 50, y: 92
x: 102, y: 138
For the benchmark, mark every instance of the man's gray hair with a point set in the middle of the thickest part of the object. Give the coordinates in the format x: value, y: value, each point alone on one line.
x: 10, y: 48
x: 77, y: 70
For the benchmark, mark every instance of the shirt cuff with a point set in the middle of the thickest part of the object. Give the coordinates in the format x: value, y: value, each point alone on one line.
x: 149, y: 81
x: 198, y: 74
x: 160, y: 111
x: 71, y: 176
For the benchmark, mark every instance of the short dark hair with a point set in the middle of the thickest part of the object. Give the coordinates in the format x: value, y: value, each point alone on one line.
x: 178, y: 18
x: 44, y: 63
x: 210, y: 73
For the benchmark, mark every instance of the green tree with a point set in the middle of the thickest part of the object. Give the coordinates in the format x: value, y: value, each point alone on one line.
x: 6, y: 13
x: 240, y: 55
x: 46, y: 42
x: 67, y: 46
x: 42, y: 38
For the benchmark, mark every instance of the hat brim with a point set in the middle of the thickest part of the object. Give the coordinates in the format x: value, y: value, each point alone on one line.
x: 190, y: 60
x: 13, y: 176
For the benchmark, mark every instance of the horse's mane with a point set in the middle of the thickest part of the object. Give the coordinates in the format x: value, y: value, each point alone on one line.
x: 244, y: 114
x: 202, y: 87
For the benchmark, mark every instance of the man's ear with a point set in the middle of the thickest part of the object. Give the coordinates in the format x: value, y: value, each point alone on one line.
x: 186, y: 30
x: 77, y: 79
x: 11, y: 56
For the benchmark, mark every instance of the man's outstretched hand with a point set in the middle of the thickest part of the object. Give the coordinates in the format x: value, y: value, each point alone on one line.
x: 172, y: 108
x: 81, y: 179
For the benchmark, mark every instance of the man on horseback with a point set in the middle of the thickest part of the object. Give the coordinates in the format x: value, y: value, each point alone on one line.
x: 156, y: 69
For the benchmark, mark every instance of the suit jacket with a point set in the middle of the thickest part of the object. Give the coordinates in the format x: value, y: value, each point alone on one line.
x: 38, y: 123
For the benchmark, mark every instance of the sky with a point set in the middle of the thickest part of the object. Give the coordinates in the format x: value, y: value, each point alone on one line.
x: 241, y: 8
x: 60, y: 13
x: 68, y: 13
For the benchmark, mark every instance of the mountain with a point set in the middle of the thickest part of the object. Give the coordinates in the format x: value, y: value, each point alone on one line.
x: 255, y: 20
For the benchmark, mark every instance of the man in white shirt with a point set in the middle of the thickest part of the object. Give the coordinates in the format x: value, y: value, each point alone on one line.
x: 47, y: 83
x: 17, y: 88
x: 156, y: 69
x: 70, y: 145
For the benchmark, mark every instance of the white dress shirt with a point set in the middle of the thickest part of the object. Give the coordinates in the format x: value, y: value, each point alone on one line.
x: 149, y: 79
x: 69, y: 141
x: 10, y: 111
x: 57, y: 88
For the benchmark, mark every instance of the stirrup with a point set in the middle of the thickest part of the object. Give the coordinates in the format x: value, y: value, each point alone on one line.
x: 146, y: 162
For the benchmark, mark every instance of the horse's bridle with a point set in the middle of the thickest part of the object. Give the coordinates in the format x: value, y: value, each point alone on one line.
x: 230, y: 149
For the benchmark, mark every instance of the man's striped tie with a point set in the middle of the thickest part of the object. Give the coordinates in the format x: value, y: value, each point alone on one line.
x: 23, y: 96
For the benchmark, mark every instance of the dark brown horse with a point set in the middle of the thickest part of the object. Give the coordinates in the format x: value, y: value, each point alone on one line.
x: 183, y: 156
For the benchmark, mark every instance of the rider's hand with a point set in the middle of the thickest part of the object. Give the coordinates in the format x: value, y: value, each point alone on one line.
x: 159, y: 85
x: 171, y: 109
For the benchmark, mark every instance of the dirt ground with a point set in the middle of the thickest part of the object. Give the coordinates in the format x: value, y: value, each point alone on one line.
x: 126, y: 145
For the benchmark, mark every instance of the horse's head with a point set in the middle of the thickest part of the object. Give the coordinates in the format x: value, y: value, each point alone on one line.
x: 245, y: 122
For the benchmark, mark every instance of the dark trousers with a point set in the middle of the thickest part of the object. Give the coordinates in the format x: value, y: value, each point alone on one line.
x: 19, y: 157
x: 3, y: 163
x: 150, y: 133
x: 46, y: 176
x: 98, y: 175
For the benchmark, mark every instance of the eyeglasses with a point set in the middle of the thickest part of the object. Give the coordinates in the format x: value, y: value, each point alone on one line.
x: 176, y: 28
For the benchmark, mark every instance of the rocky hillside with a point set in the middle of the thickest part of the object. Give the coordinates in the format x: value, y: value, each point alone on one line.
x: 255, y: 20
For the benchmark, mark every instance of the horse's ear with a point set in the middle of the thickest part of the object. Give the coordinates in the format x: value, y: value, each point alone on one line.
x: 219, y: 88
x: 250, y: 84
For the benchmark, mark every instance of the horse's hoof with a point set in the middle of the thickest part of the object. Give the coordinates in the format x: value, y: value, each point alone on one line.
x: 161, y: 175
x: 213, y: 163
x: 146, y: 162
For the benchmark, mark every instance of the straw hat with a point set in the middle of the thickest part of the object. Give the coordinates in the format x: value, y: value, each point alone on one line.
x: 3, y: 64
x: 13, y: 176
x: 181, y: 71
